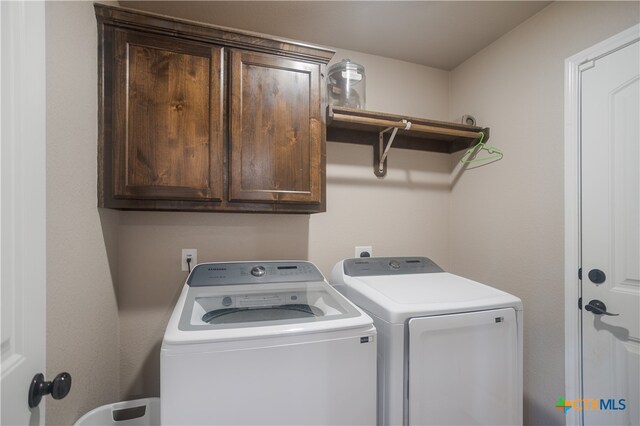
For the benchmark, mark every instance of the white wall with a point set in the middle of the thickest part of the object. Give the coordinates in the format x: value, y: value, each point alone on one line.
x: 507, y: 218
x: 82, y: 316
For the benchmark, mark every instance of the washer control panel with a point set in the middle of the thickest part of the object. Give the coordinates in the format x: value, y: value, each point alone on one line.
x: 236, y: 273
x: 373, y: 266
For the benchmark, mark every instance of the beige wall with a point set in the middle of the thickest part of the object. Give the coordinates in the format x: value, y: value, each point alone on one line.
x: 507, y: 218
x: 109, y: 340
x: 361, y: 210
x: 501, y: 224
x: 82, y: 316
x: 406, y: 213
x: 150, y: 245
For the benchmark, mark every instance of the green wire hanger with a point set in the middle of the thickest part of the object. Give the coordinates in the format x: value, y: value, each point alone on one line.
x: 471, y: 156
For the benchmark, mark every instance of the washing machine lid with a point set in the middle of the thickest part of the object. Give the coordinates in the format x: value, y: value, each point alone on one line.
x: 397, y: 289
x: 276, y: 299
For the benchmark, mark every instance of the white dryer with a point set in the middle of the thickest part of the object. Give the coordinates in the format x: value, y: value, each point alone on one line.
x: 449, y: 349
x: 266, y: 343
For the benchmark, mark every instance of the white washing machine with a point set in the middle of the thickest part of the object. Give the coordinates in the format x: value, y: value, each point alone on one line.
x: 449, y: 349
x: 266, y: 343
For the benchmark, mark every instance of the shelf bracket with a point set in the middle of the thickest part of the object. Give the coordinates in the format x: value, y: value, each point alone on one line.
x: 380, y: 154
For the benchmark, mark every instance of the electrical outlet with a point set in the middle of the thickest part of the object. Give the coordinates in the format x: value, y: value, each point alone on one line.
x: 364, y: 251
x: 189, y: 253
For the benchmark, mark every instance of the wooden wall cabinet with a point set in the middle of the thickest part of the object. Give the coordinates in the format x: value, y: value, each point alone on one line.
x: 194, y: 117
x: 276, y: 143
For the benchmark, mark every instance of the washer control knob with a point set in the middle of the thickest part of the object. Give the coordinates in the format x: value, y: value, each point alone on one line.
x: 258, y: 271
x: 226, y: 301
x: 394, y: 264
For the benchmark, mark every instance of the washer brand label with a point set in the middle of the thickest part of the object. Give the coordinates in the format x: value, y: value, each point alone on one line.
x: 366, y: 339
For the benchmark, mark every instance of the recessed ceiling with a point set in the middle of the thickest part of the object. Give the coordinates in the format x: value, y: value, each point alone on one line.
x: 440, y: 34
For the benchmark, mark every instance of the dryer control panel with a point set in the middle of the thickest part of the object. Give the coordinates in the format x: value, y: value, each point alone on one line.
x: 374, y: 266
x: 232, y: 273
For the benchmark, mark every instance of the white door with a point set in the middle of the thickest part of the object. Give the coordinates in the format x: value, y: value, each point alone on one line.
x: 22, y: 207
x: 464, y: 369
x: 610, y: 181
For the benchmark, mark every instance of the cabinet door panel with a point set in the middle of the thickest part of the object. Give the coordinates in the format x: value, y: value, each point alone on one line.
x: 276, y: 130
x: 168, y: 104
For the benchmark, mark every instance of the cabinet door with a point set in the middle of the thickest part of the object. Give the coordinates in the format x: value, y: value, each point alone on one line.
x: 276, y: 150
x: 167, y: 122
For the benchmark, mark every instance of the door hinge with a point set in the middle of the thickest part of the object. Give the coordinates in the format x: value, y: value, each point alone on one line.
x: 580, y: 274
x: 580, y: 303
x: 587, y: 65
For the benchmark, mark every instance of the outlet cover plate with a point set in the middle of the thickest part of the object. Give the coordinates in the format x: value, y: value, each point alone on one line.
x: 361, y: 249
x: 194, y: 258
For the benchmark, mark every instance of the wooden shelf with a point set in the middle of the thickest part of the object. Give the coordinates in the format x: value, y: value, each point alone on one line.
x: 362, y: 127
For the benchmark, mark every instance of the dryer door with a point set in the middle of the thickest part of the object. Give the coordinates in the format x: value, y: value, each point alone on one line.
x: 463, y: 369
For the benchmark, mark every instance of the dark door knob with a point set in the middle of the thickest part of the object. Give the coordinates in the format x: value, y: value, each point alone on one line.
x: 597, y: 276
x: 58, y: 388
x: 598, y: 308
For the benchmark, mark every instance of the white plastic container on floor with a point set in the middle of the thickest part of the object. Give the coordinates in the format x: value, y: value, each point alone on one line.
x: 140, y: 412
